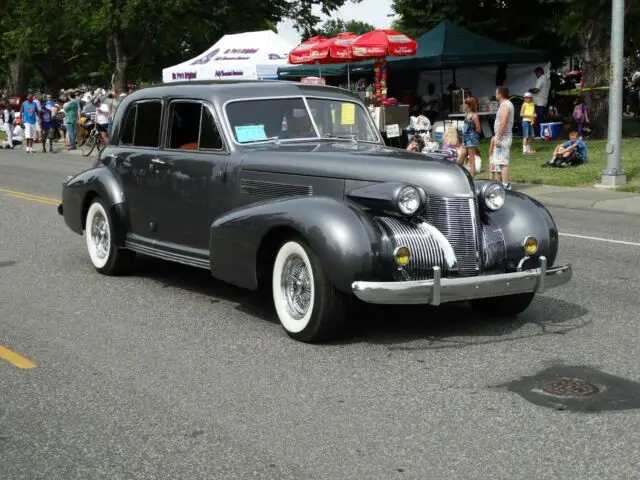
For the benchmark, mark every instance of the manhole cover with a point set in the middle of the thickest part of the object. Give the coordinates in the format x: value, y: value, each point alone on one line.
x: 569, y: 387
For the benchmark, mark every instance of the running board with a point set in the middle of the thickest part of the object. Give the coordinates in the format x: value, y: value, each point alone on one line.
x: 166, y: 255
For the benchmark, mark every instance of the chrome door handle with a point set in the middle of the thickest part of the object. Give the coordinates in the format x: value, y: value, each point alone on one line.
x: 157, y: 161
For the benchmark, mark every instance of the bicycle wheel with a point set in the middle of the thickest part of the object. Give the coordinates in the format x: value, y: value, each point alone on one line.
x: 100, y: 145
x: 89, y: 145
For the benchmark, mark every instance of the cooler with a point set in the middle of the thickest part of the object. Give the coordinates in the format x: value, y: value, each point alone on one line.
x: 552, y: 130
x: 439, y: 133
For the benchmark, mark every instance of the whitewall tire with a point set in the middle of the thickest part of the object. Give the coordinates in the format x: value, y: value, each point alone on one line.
x: 105, y: 256
x: 307, y: 304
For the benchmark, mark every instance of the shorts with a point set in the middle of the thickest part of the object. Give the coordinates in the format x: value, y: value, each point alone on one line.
x: 502, y: 154
x: 30, y: 131
x: 527, y: 130
x: 470, y: 141
x: 102, y: 127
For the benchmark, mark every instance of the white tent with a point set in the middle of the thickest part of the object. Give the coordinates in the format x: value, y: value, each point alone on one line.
x: 242, y: 56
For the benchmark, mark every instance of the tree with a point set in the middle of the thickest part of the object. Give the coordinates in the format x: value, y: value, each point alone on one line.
x: 560, y: 27
x: 331, y: 28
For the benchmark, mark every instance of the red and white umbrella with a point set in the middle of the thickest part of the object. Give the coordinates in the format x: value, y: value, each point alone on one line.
x: 324, y: 50
x: 383, y: 43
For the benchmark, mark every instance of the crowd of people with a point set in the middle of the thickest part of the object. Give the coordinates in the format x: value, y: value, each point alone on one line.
x: 45, y: 119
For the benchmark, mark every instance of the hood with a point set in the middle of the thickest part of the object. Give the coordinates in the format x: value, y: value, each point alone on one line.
x: 361, y: 162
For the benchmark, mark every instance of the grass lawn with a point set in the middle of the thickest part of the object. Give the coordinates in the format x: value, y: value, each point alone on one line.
x: 528, y: 169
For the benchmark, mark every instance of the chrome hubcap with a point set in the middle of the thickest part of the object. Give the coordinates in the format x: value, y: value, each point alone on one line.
x: 100, y: 235
x: 296, y: 287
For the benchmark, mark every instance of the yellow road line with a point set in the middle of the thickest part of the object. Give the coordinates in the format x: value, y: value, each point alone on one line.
x: 15, y: 359
x: 24, y: 197
x: 29, y: 196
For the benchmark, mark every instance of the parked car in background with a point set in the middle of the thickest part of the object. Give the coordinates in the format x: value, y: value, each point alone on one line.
x: 290, y: 187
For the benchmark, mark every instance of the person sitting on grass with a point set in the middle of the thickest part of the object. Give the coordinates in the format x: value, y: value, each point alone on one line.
x: 571, y: 153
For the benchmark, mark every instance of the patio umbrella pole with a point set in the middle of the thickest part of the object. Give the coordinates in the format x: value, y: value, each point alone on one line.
x: 442, y: 95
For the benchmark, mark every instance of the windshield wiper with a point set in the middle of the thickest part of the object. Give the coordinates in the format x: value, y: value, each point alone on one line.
x: 345, y: 137
x: 269, y: 139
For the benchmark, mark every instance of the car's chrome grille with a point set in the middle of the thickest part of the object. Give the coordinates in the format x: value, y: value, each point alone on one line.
x: 457, y: 219
x: 425, y: 251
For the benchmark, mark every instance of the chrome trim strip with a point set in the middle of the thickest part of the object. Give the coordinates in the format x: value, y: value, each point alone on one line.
x: 444, y: 290
x: 169, y: 256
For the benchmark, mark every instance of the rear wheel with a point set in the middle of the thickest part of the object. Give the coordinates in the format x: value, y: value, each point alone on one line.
x: 88, y: 145
x: 106, y: 257
x: 503, y: 307
x: 308, y: 305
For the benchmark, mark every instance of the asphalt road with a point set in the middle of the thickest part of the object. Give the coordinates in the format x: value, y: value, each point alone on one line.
x: 168, y: 374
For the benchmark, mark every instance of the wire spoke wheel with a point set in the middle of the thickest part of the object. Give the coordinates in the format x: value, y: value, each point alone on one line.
x: 89, y: 145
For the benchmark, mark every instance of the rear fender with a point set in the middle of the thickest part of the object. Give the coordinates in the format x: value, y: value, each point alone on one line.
x: 343, y: 237
x: 79, y: 191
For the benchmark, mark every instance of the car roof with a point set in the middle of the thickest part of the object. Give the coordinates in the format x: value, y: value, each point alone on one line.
x: 224, y: 90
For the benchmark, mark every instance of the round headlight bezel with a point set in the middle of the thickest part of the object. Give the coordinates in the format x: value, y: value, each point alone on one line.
x: 408, y: 190
x: 487, y: 192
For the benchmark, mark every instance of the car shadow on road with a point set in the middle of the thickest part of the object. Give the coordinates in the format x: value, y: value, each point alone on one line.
x: 399, y: 328
x: 456, y: 326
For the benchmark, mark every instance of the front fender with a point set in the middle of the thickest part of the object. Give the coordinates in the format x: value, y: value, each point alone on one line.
x: 343, y: 237
x: 523, y: 216
x: 78, y: 191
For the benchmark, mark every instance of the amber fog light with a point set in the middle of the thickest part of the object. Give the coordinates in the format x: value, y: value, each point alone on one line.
x: 530, y: 245
x: 402, y: 256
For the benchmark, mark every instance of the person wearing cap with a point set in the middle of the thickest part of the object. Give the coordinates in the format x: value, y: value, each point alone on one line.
x: 528, y: 115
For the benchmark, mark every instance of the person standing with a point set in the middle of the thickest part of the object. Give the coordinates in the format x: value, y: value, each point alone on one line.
x: 528, y: 115
x: 71, y: 117
x: 8, y: 116
x: 30, y: 117
x: 541, y: 97
x: 470, y: 134
x: 46, y: 125
x: 500, y: 147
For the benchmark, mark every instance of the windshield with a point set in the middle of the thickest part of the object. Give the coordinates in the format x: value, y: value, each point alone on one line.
x: 288, y: 118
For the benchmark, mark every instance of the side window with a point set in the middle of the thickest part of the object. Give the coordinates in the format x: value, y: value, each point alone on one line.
x: 210, y: 138
x: 184, y: 125
x: 126, y: 137
x: 147, y: 132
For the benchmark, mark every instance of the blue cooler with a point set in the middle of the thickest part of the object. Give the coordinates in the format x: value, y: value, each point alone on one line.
x: 439, y: 133
x: 552, y: 130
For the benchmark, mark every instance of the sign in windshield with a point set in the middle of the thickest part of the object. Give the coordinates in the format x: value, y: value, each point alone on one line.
x: 289, y: 119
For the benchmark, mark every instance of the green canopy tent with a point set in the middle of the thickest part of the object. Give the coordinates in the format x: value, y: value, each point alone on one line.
x: 447, y: 46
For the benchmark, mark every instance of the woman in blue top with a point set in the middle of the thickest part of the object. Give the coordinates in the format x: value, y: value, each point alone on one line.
x: 470, y: 135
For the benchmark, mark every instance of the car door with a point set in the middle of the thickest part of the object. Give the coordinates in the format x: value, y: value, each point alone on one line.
x: 195, y: 160
x: 135, y: 160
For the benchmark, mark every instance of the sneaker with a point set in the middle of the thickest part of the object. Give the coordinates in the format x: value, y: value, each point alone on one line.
x: 507, y: 186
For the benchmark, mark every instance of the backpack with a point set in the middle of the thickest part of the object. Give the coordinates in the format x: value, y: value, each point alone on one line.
x: 578, y: 112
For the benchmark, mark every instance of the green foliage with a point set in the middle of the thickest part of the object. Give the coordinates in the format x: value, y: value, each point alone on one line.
x: 67, y: 42
x: 331, y: 28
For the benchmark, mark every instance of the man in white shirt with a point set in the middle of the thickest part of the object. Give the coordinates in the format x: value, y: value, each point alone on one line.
x: 102, y: 121
x: 541, y: 97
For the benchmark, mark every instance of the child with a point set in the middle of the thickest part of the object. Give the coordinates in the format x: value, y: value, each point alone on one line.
x: 46, y: 123
x: 470, y: 135
x: 570, y: 153
x: 528, y: 115
x: 451, y: 142
x: 494, y: 171
x: 416, y: 144
x: 580, y: 115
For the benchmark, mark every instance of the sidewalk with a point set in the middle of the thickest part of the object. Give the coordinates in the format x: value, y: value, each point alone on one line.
x: 583, y: 198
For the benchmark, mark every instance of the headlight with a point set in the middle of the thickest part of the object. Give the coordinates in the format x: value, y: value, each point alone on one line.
x: 408, y: 200
x: 494, y: 196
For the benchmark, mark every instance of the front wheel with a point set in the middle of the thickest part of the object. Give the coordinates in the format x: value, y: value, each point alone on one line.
x: 105, y: 256
x: 307, y: 304
x: 88, y: 145
x: 503, y: 307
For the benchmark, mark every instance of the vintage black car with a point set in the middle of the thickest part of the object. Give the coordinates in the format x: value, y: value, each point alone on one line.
x: 291, y: 187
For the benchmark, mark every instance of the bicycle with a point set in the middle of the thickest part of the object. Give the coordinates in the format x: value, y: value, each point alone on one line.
x: 93, y: 140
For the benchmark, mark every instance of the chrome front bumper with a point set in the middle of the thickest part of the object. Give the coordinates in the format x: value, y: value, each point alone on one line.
x: 444, y: 290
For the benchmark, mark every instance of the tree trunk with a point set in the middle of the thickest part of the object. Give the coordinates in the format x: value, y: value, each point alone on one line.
x: 16, y: 81
x: 120, y: 60
x: 595, y: 73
